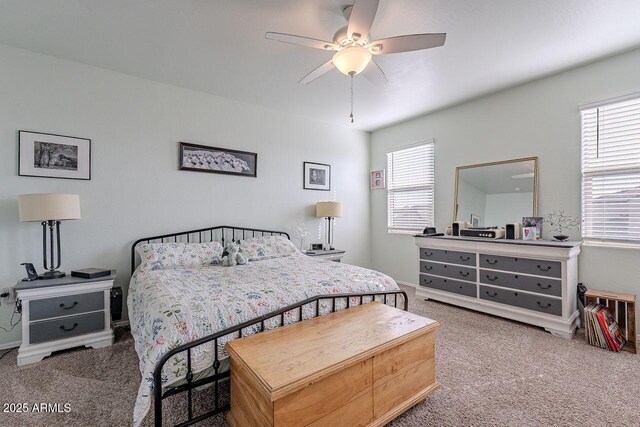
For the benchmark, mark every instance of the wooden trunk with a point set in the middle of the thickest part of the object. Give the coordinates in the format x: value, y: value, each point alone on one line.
x: 361, y: 366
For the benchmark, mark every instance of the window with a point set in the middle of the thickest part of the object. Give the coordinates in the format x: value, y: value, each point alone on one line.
x: 611, y: 170
x: 410, y: 179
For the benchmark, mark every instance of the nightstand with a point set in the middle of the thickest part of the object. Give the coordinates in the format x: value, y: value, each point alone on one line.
x: 334, y: 255
x: 64, y: 313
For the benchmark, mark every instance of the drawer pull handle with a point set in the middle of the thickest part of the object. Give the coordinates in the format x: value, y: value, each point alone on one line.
x: 494, y: 262
x: 492, y: 279
x: 64, y: 307
x: 544, y: 287
x: 465, y: 258
x: 544, y: 306
x: 464, y: 274
x: 495, y: 294
x: 428, y: 282
x: 70, y: 329
x: 428, y: 254
x: 426, y: 267
x: 544, y: 269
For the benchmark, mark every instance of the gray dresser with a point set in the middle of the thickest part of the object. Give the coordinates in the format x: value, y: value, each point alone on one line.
x: 529, y: 281
x: 63, y: 313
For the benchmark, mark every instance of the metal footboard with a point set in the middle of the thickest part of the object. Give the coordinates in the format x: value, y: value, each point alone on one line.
x: 314, y: 304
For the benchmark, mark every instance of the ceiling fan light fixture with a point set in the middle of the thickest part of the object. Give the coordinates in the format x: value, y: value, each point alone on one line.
x: 352, y: 60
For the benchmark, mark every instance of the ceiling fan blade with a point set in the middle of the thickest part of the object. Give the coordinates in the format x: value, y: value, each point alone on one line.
x: 320, y: 71
x: 407, y: 43
x: 374, y: 74
x: 362, y: 15
x: 300, y: 40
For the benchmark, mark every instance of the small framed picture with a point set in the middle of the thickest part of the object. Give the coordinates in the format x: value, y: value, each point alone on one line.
x: 377, y: 179
x: 48, y: 155
x: 317, y: 176
x: 475, y: 221
x: 202, y: 158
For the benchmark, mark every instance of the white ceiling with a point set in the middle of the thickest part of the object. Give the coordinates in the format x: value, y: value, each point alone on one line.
x: 218, y: 46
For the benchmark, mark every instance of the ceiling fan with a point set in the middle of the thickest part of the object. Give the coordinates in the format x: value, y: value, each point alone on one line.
x: 354, y: 49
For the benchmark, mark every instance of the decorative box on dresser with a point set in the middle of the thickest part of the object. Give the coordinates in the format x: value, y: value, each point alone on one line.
x: 64, y: 313
x: 533, y: 282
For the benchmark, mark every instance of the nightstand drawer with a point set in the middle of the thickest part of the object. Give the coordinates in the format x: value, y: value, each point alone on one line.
x: 66, y: 327
x: 66, y: 305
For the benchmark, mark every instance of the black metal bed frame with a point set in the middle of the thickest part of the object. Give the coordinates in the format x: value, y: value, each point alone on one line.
x: 312, y: 303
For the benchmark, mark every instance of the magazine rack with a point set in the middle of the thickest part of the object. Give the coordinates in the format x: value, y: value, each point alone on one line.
x: 623, y: 309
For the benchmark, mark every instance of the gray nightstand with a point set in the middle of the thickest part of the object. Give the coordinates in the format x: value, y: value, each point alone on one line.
x: 334, y: 255
x: 63, y: 313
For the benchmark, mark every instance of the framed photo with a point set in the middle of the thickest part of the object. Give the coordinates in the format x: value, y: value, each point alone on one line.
x: 317, y: 176
x: 377, y: 179
x: 48, y: 155
x: 475, y: 221
x: 202, y: 158
x: 534, y: 221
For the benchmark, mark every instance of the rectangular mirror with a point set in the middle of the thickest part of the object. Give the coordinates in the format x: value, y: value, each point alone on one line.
x: 497, y: 193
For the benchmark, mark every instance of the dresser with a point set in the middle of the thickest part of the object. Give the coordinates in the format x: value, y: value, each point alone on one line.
x: 533, y: 282
x: 64, y: 313
x: 362, y: 366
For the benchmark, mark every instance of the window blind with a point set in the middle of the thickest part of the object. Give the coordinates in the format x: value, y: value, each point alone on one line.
x: 410, y: 188
x: 611, y: 171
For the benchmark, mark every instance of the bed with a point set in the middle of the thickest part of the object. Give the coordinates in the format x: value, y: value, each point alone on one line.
x: 184, y: 305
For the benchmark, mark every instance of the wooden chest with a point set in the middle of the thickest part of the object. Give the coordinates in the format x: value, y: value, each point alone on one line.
x: 361, y: 366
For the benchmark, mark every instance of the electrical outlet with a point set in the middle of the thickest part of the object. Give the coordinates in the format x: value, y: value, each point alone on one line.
x: 10, y: 298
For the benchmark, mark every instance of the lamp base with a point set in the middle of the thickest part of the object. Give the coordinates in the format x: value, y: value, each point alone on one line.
x: 52, y: 275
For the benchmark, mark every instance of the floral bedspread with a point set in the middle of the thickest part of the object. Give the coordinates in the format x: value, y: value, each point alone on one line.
x: 171, y: 307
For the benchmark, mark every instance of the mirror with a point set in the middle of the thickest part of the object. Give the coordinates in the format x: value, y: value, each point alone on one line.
x: 498, y: 193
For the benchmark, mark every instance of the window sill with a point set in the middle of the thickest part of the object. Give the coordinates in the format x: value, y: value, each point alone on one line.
x: 409, y: 232
x: 613, y: 244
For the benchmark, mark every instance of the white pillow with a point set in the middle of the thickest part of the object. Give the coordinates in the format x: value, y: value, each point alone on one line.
x: 172, y: 255
x: 265, y: 247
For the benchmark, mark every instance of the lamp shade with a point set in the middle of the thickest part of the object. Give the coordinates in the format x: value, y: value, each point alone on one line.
x: 352, y: 60
x: 329, y: 209
x: 45, y: 207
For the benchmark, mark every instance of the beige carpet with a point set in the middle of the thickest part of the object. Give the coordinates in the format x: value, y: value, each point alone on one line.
x: 492, y: 372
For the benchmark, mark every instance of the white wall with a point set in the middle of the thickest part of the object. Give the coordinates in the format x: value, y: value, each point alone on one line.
x: 541, y: 119
x: 136, y: 188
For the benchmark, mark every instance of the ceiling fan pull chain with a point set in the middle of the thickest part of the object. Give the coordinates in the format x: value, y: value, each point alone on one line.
x: 351, y: 99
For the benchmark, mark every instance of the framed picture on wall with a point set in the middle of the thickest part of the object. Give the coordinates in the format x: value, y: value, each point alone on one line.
x: 316, y: 176
x: 377, y: 179
x: 48, y: 155
x: 202, y: 158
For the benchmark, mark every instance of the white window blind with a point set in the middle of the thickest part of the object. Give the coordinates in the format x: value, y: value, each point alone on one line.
x: 611, y: 171
x: 410, y: 188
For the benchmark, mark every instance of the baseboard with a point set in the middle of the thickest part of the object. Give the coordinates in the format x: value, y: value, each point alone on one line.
x: 400, y: 282
x: 120, y: 323
x: 8, y: 345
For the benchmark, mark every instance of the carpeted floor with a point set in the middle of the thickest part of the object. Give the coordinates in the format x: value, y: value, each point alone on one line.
x: 492, y: 372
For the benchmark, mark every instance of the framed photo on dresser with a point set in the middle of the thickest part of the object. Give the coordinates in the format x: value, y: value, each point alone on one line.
x: 49, y: 155
x: 317, y: 176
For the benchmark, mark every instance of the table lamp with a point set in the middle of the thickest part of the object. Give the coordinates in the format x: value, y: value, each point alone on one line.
x: 329, y: 210
x: 50, y: 209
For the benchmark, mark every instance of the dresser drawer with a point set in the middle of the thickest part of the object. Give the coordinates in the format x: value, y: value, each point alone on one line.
x: 451, y: 257
x: 521, y: 299
x: 66, y: 305
x: 521, y: 265
x: 448, y: 285
x: 448, y: 270
x: 522, y: 282
x: 65, y: 327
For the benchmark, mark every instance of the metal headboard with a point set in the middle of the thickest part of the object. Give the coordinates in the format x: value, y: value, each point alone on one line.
x: 219, y: 233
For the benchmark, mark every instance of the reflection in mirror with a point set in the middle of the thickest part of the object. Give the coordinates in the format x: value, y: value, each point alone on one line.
x: 495, y: 194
